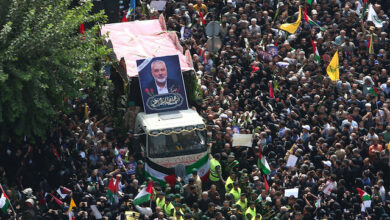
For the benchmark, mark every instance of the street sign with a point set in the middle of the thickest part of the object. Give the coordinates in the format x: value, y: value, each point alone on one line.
x: 213, y: 29
x: 214, y: 44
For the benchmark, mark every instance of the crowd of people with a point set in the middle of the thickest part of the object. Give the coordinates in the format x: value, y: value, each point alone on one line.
x: 339, y: 131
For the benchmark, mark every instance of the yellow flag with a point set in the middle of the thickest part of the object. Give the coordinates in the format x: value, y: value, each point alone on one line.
x: 292, y: 27
x: 86, y: 111
x: 72, y: 204
x: 371, y: 46
x: 388, y: 146
x: 333, y: 69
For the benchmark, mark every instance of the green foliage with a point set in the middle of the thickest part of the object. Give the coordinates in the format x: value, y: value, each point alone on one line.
x: 44, y: 59
x: 193, y: 90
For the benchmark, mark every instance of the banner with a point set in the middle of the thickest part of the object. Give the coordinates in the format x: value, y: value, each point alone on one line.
x: 242, y: 140
x: 162, y: 85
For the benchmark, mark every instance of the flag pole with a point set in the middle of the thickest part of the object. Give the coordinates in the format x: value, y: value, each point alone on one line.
x: 8, y: 198
x: 277, y: 11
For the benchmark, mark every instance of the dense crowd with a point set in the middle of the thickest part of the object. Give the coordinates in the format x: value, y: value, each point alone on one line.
x: 338, y: 130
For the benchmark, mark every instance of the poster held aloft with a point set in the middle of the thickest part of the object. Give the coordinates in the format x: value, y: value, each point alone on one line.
x: 292, y: 161
x: 273, y: 50
x: 291, y: 192
x: 158, y: 5
x: 242, y: 140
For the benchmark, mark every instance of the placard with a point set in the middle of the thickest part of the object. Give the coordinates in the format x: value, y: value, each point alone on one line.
x: 242, y: 140
x: 161, y: 84
x: 185, y: 33
x: 292, y: 161
x: 236, y: 129
x: 328, y: 188
x: 273, y: 50
x: 158, y: 5
x: 291, y: 192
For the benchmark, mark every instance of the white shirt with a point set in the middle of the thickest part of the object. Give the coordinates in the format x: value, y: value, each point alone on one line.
x: 382, y: 193
x: 162, y: 90
x: 146, y: 211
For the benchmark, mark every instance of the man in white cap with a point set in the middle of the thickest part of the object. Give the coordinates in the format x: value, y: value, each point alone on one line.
x: 305, y: 135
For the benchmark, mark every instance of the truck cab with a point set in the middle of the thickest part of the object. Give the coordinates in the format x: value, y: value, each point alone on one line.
x: 173, y: 139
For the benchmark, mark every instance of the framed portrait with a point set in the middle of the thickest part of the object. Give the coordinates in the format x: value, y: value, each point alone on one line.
x: 161, y: 84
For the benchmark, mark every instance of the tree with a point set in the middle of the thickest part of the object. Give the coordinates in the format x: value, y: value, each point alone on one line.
x: 44, y: 61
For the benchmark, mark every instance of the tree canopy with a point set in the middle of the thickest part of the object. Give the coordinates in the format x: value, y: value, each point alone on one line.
x: 45, y: 61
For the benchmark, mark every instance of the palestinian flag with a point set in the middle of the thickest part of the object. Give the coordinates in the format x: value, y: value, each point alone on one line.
x: 365, y: 197
x: 276, y: 85
x: 263, y: 164
x: 4, y: 202
x: 159, y: 174
x: 63, y: 191
x: 164, y: 175
x: 373, y: 91
x: 370, y: 46
x: 58, y: 201
x: 315, y: 52
x: 310, y: 21
x: 55, y: 151
x: 266, y: 184
x: 305, y: 14
x: 145, y: 195
x: 42, y: 201
x: 112, y: 190
x: 365, y: 6
x: 271, y: 90
x: 201, y: 15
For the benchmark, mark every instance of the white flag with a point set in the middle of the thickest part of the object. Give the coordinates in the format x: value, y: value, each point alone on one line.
x: 372, y: 16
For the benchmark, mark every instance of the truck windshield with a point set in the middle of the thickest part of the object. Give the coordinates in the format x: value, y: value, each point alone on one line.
x: 176, y: 144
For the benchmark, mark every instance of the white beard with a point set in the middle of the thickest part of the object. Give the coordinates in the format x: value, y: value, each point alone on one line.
x: 161, y: 80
